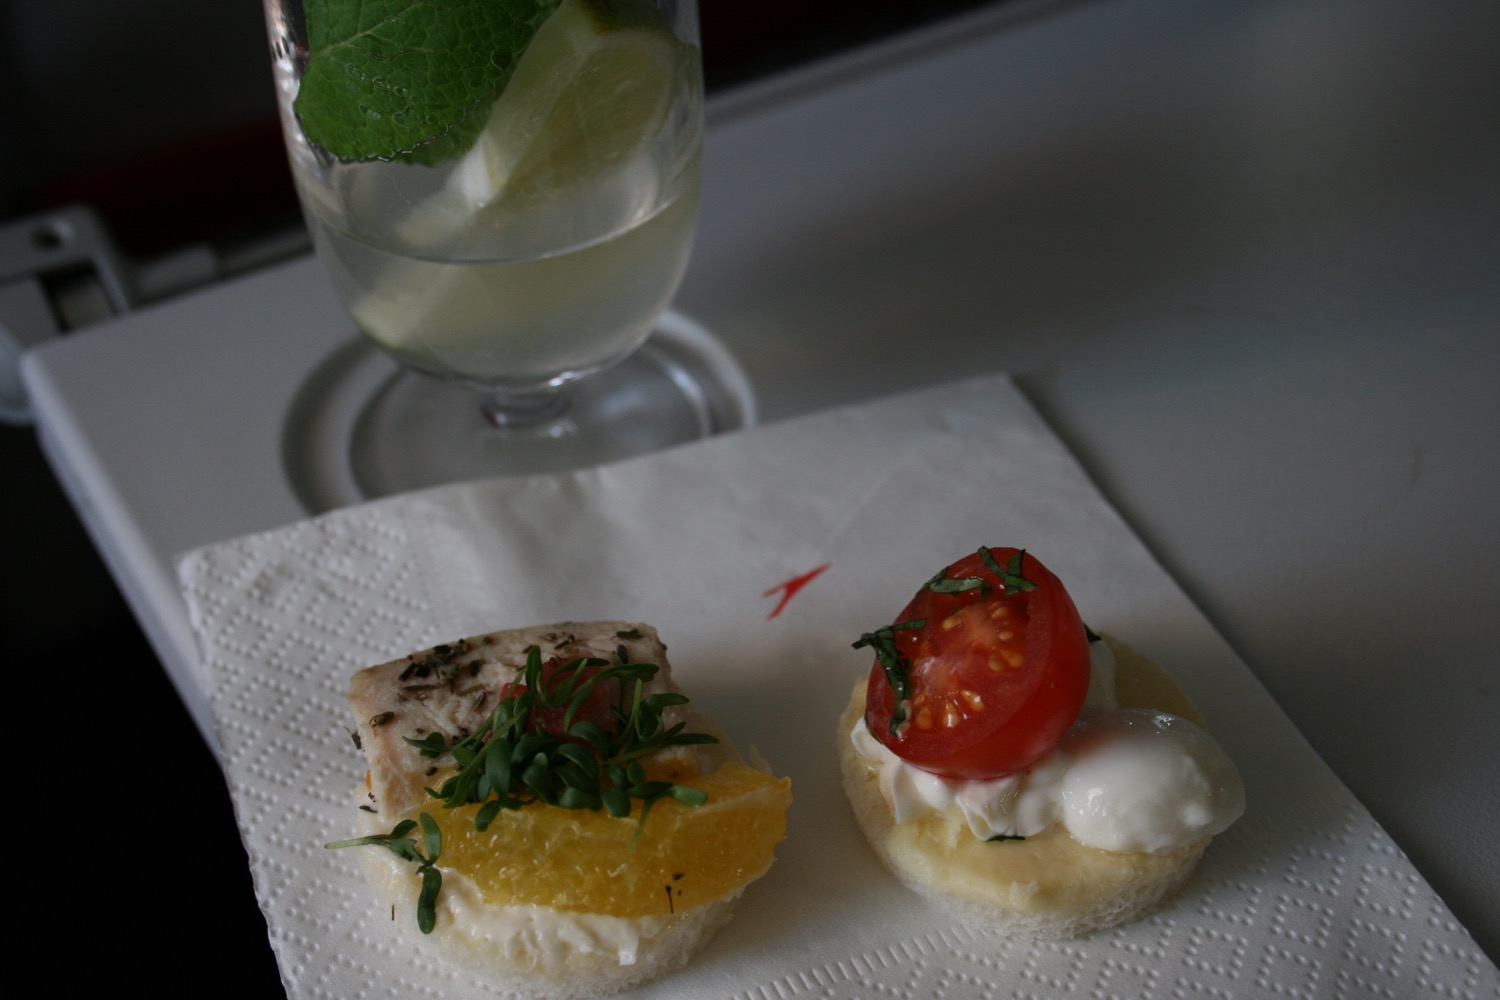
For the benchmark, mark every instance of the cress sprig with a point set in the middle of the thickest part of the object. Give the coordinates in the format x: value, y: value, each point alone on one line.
x: 405, y: 847
x: 510, y: 761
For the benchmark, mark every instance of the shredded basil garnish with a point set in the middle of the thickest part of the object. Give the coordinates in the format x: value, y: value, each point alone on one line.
x: 897, y: 668
x: 942, y: 584
x: 1010, y: 576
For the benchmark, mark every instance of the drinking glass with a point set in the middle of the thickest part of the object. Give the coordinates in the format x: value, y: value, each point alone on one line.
x: 504, y: 195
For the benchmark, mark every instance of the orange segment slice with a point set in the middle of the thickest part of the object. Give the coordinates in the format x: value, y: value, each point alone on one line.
x: 591, y: 862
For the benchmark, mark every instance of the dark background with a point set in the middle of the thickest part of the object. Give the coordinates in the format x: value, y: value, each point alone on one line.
x: 159, y: 115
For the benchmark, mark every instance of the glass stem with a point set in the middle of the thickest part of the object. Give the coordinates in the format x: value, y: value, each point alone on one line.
x: 525, y: 408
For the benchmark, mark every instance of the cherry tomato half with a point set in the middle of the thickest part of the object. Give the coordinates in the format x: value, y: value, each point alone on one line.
x: 994, y: 674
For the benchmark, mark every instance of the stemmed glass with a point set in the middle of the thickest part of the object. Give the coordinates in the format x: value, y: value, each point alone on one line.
x: 504, y: 195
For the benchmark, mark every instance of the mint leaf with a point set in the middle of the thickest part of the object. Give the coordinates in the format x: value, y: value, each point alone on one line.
x: 409, y: 79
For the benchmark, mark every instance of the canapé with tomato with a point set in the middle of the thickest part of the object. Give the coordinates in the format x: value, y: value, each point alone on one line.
x: 1022, y: 771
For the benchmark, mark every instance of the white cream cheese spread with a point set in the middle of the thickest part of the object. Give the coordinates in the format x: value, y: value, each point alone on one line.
x: 537, y: 936
x: 1126, y: 780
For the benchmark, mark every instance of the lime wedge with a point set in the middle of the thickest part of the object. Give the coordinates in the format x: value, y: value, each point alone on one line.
x: 592, y: 88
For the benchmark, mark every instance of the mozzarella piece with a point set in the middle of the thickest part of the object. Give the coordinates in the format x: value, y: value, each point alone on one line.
x: 1147, y: 781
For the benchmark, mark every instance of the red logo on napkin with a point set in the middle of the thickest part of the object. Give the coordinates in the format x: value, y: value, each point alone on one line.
x: 789, y: 589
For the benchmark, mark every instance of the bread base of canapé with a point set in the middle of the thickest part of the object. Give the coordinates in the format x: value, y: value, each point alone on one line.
x: 542, y: 952
x: 1048, y: 886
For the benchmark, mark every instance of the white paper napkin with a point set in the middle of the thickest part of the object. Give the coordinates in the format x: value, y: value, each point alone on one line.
x: 1305, y: 897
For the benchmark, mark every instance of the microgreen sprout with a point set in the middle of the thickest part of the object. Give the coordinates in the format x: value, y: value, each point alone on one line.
x: 405, y: 847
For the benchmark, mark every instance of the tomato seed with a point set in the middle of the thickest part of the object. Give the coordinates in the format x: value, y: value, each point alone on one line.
x: 951, y: 716
x: 952, y: 622
x: 972, y: 699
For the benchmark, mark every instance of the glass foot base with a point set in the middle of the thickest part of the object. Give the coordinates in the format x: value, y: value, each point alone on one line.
x: 402, y: 431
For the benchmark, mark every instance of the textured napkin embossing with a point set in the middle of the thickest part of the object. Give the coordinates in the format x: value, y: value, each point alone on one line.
x: 1305, y: 897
